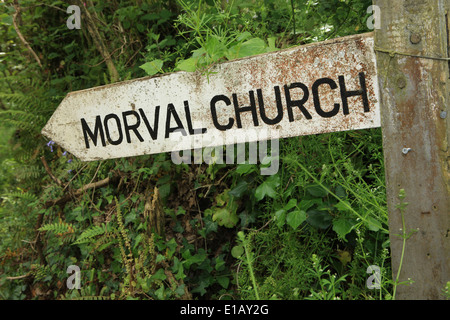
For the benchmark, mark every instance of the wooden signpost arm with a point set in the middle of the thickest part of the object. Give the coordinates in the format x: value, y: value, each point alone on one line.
x: 412, y: 49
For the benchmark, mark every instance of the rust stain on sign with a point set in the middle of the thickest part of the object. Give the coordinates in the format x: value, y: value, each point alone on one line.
x: 317, y: 88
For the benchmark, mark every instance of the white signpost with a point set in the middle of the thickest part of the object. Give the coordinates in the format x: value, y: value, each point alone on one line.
x: 317, y: 88
x: 323, y: 87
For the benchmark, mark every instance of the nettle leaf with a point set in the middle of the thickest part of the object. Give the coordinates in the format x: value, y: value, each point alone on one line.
x: 306, y: 204
x: 342, y: 227
x: 319, y: 219
x: 267, y: 188
x: 343, y: 206
x: 246, y: 218
x: 152, y: 67
x: 317, y: 191
x: 373, y: 224
x: 296, y: 218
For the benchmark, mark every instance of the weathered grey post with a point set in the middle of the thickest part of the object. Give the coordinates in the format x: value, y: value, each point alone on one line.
x: 412, y: 47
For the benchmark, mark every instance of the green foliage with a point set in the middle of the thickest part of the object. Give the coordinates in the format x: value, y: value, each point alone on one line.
x: 91, y: 232
x: 309, y: 231
x: 224, y: 212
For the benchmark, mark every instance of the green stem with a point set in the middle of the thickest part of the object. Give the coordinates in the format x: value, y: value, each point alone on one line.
x: 334, y: 195
x: 404, y: 236
x: 250, y: 269
x: 293, y: 15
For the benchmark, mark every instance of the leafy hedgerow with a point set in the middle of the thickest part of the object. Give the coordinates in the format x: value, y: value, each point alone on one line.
x: 165, y: 231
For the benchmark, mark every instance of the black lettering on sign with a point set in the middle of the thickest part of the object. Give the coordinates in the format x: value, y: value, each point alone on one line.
x: 251, y: 107
x: 191, y: 130
x: 119, y: 129
x: 317, y: 106
x: 227, y: 101
x: 296, y: 103
x: 152, y: 131
x: 128, y: 127
x: 262, y: 110
x: 98, y: 129
x: 361, y: 92
x: 180, y: 128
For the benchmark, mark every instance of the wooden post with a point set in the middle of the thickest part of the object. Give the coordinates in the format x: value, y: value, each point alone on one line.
x: 412, y: 47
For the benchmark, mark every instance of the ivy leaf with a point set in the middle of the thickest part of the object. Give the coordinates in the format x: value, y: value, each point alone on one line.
x: 291, y: 204
x: 202, y: 285
x: 280, y: 217
x: 239, y: 190
x: 342, y: 227
x: 295, y: 218
x: 159, y: 275
x: 224, y: 281
x: 152, y: 67
x: 210, y: 226
x: 197, y: 258
x: 180, y: 290
x: 130, y: 217
x: 267, y: 188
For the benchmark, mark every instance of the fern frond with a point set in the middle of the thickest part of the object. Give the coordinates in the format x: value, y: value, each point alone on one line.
x: 83, y: 294
x: 27, y: 172
x: 24, y: 120
x: 25, y: 195
x: 91, y: 298
x: 58, y: 228
x: 40, y: 272
x: 105, y: 241
x: 90, y: 233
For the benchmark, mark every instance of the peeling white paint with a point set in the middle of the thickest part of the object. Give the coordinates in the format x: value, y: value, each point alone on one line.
x: 347, y: 57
